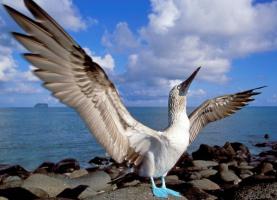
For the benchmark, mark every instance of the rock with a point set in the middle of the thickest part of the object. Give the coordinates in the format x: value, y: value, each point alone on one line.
x: 228, y: 175
x: 233, y: 163
x: 194, y: 168
x: 205, y: 184
x: 132, y: 183
x: 100, y: 161
x: 205, y: 152
x: 244, y: 176
x: 207, y: 173
x: 11, y: 182
x: 265, y: 168
x: 44, y: 168
x: 72, y: 193
x: 53, y: 186
x: 257, y: 191
x: 270, y: 152
x: 78, y: 173
x: 241, y: 150
x: 38, y: 192
x: 204, y: 164
x: 113, y: 172
x: 184, y: 161
x: 263, y: 144
x: 230, y: 152
x: 171, y: 178
x: 11, y: 178
x: 226, y: 153
x: 66, y: 165
x: 98, y: 180
x: 3, y: 198
x: 141, y: 192
x: 14, y: 170
x: 244, y: 165
x: 195, y: 176
x: 195, y: 193
x: 17, y: 193
x: 88, y: 193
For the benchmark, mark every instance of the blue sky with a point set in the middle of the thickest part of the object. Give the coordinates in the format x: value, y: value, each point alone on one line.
x: 147, y: 46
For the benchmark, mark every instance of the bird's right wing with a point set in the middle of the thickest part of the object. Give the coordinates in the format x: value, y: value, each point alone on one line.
x: 218, y: 108
x: 79, y: 82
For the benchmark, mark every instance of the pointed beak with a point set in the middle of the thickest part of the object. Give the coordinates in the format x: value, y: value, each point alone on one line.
x: 184, y: 86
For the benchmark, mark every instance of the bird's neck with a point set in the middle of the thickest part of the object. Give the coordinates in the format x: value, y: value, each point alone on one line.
x: 177, y: 116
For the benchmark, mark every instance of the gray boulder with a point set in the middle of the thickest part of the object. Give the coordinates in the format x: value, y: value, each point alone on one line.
x: 204, y: 164
x: 205, y: 184
x: 51, y: 185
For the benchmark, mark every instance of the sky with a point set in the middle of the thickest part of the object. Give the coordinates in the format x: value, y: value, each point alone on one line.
x: 148, y: 46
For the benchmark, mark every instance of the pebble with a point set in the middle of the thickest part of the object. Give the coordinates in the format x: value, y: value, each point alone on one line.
x: 205, y: 184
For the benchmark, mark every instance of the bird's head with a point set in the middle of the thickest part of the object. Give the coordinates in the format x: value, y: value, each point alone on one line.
x: 177, y: 95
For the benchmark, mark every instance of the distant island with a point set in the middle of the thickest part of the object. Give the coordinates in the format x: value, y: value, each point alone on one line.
x: 41, y: 105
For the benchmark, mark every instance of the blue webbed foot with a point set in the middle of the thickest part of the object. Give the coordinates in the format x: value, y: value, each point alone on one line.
x: 172, y: 192
x: 160, y: 192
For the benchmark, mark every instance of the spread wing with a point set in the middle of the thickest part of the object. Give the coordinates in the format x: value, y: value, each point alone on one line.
x: 218, y: 108
x: 76, y: 80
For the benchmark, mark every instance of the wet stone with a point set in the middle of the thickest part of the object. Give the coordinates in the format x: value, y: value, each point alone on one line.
x: 13, y: 170
x: 46, y: 167
x: 100, y: 161
x: 66, y: 165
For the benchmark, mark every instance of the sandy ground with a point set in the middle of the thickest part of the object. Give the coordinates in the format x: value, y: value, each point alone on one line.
x: 142, y: 192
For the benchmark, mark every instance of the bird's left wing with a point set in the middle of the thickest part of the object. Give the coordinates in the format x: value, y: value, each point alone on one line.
x: 218, y: 108
x: 76, y: 80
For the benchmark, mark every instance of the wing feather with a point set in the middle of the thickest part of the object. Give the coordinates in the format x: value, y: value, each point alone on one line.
x: 71, y: 75
x: 218, y: 108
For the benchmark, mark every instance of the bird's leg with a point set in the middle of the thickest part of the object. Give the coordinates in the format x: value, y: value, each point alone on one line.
x: 158, y: 192
x: 169, y: 191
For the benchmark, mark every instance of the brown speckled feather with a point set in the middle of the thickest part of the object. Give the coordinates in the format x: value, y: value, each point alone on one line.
x: 218, y: 108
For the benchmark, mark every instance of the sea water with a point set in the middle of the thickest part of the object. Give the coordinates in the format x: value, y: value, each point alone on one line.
x: 30, y: 136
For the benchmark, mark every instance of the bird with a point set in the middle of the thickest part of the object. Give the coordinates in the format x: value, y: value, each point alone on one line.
x: 82, y: 84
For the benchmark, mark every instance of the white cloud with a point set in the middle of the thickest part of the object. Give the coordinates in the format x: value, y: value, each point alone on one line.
x: 164, y: 15
x: 21, y: 88
x: 63, y: 11
x: 184, y: 34
x: 107, y: 62
x: 197, y: 93
x: 121, y: 39
x: 7, y: 64
x: 28, y: 75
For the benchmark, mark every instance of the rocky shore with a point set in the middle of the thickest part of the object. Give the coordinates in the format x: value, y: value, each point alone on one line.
x: 227, y: 172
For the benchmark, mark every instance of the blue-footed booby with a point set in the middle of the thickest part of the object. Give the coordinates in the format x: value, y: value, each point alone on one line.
x: 79, y: 82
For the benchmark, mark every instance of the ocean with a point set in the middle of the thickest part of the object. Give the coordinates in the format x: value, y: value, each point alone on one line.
x: 30, y: 136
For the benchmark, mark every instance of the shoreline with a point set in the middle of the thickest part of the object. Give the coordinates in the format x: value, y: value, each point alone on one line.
x: 211, y: 172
